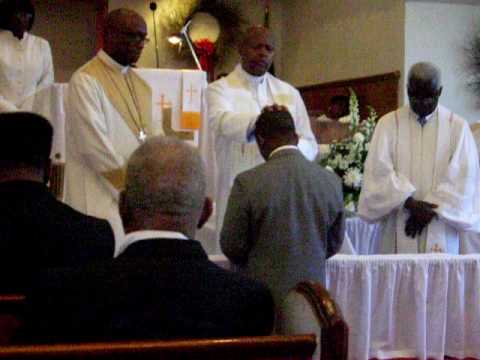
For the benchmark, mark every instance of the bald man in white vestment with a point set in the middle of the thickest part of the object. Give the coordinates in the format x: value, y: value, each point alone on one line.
x: 422, y: 173
x: 109, y: 116
x: 235, y: 101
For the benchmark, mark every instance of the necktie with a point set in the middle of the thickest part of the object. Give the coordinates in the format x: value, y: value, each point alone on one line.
x: 422, y: 120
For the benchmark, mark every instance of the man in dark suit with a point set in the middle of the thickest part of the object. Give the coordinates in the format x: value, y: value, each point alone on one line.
x: 36, y: 230
x: 162, y: 285
x: 284, y: 217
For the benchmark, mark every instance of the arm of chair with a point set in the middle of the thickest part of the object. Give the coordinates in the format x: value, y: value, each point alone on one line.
x: 309, y: 308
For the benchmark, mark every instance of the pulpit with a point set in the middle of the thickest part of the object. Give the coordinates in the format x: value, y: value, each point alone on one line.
x: 179, y: 106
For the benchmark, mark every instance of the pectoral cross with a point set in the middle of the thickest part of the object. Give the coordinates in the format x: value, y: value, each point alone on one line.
x: 437, y: 249
x: 163, y: 103
x: 142, y: 136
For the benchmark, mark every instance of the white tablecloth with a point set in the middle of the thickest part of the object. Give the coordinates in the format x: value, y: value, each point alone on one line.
x: 408, y: 305
x: 361, y: 238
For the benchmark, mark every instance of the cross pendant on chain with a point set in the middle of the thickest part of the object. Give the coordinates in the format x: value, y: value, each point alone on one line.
x: 142, y: 136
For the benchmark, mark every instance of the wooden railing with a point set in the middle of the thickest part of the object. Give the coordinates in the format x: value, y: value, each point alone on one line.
x: 379, y: 91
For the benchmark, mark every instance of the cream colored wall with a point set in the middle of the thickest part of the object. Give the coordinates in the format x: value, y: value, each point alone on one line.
x: 317, y: 41
x: 331, y: 40
x: 69, y: 26
x: 251, y: 10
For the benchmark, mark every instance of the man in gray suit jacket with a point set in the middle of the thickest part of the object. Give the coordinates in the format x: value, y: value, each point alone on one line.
x: 284, y: 217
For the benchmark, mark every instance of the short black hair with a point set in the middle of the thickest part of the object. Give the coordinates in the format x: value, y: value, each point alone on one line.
x: 272, y: 123
x: 10, y: 7
x: 25, y: 140
x: 341, y: 100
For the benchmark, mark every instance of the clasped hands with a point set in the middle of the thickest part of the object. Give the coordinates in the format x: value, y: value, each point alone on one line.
x: 421, y: 214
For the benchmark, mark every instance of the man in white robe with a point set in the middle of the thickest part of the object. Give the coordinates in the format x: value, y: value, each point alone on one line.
x: 470, y: 240
x: 108, y: 117
x: 234, y: 103
x: 422, y: 172
x: 25, y: 60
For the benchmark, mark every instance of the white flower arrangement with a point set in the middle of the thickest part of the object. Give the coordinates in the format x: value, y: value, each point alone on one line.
x: 347, y: 157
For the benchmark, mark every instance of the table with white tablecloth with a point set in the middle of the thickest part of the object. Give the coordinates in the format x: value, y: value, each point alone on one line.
x: 408, y: 305
x: 361, y: 238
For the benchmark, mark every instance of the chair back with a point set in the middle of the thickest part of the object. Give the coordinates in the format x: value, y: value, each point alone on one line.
x: 309, y: 309
x: 57, y: 179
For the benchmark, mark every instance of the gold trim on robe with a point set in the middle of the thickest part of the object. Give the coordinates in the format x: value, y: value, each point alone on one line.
x: 137, y: 113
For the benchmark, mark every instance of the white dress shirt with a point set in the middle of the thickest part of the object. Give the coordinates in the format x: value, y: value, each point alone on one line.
x: 140, y: 235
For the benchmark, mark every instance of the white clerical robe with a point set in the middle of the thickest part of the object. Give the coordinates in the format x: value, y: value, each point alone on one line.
x: 234, y: 102
x: 25, y: 67
x: 98, y: 141
x: 437, y: 163
x: 470, y: 240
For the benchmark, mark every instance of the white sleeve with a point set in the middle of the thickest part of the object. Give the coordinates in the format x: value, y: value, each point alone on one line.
x: 88, y: 125
x: 307, y: 142
x: 7, y: 106
x: 457, y: 191
x: 223, y: 121
x: 384, y: 189
x: 47, y: 74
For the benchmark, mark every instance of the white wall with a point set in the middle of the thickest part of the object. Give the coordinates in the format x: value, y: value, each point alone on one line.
x: 439, y: 32
x: 328, y: 40
x: 69, y: 26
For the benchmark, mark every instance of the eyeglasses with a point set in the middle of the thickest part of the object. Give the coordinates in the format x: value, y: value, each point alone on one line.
x: 135, y: 37
x: 23, y: 15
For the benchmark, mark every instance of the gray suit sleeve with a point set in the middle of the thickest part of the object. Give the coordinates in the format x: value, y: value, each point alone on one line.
x: 336, y: 232
x: 234, y: 237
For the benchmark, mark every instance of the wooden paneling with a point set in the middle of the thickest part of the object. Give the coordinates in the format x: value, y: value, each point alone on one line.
x: 379, y: 91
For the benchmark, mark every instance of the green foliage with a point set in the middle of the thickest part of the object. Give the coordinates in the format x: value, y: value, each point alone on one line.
x: 347, y: 157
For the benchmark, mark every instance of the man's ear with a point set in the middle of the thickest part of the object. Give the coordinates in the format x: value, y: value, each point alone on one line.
x: 47, y: 171
x: 440, y: 91
x: 206, y: 212
x: 296, y: 139
x: 259, y: 139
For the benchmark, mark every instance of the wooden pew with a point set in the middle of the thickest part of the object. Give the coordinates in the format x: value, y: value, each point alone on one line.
x: 11, y: 316
x: 297, y: 347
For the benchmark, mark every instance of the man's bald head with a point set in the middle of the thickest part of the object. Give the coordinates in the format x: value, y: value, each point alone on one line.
x: 256, y: 49
x: 424, y: 88
x: 425, y: 72
x: 125, y: 34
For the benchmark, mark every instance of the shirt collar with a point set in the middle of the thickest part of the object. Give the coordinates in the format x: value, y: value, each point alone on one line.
x: 10, y: 37
x: 253, y: 80
x: 108, y: 60
x: 428, y: 117
x: 280, y: 148
x: 136, y: 236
